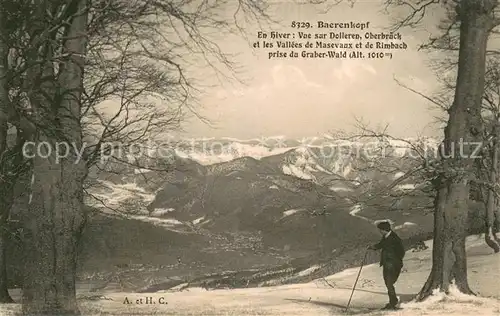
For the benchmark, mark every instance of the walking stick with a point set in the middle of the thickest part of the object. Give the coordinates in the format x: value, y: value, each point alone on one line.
x: 356, y: 282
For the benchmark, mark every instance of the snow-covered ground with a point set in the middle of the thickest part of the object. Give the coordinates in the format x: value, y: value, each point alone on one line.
x: 108, y: 195
x: 355, y: 210
x: 327, y: 296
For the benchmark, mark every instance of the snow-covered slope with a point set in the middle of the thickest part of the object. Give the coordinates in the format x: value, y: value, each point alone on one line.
x: 232, y: 180
x: 340, y: 164
x: 327, y: 296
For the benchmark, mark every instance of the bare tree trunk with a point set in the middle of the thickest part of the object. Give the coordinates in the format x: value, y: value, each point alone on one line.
x: 490, y: 236
x: 496, y: 222
x: 6, y: 194
x: 5, y: 187
x: 4, y: 292
x: 51, y: 239
x: 6, y: 190
x: 56, y: 217
x: 449, y: 260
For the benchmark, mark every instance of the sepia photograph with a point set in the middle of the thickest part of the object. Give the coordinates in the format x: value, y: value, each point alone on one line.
x: 249, y: 157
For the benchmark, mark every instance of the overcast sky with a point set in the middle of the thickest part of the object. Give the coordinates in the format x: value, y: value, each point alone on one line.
x: 302, y: 98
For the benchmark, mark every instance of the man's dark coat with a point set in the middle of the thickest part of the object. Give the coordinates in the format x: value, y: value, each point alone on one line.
x: 393, y: 251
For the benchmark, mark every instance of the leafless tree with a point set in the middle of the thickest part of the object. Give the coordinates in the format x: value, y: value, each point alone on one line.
x: 476, y: 19
x: 445, y: 68
x: 12, y: 163
x: 68, y: 59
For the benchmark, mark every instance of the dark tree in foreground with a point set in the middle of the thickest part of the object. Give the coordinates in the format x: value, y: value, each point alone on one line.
x: 484, y: 186
x: 459, y: 150
x: 70, y: 57
x: 461, y: 136
x: 12, y: 163
x: 4, y: 183
x: 6, y: 187
x: 492, y: 216
x: 55, y: 218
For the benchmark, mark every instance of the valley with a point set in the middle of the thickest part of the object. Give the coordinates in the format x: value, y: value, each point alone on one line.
x: 247, y: 215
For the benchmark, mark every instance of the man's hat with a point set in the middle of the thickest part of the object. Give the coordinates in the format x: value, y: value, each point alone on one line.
x: 384, y: 226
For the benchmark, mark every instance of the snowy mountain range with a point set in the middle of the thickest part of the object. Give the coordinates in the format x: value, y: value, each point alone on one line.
x: 245, y: 185
x: 208, y: 151
x: 226, y: 204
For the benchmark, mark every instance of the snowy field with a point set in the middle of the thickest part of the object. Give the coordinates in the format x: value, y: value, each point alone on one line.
x: 321, y: 297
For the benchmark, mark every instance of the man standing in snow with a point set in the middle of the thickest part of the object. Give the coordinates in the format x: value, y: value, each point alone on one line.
x: 391, y: 260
